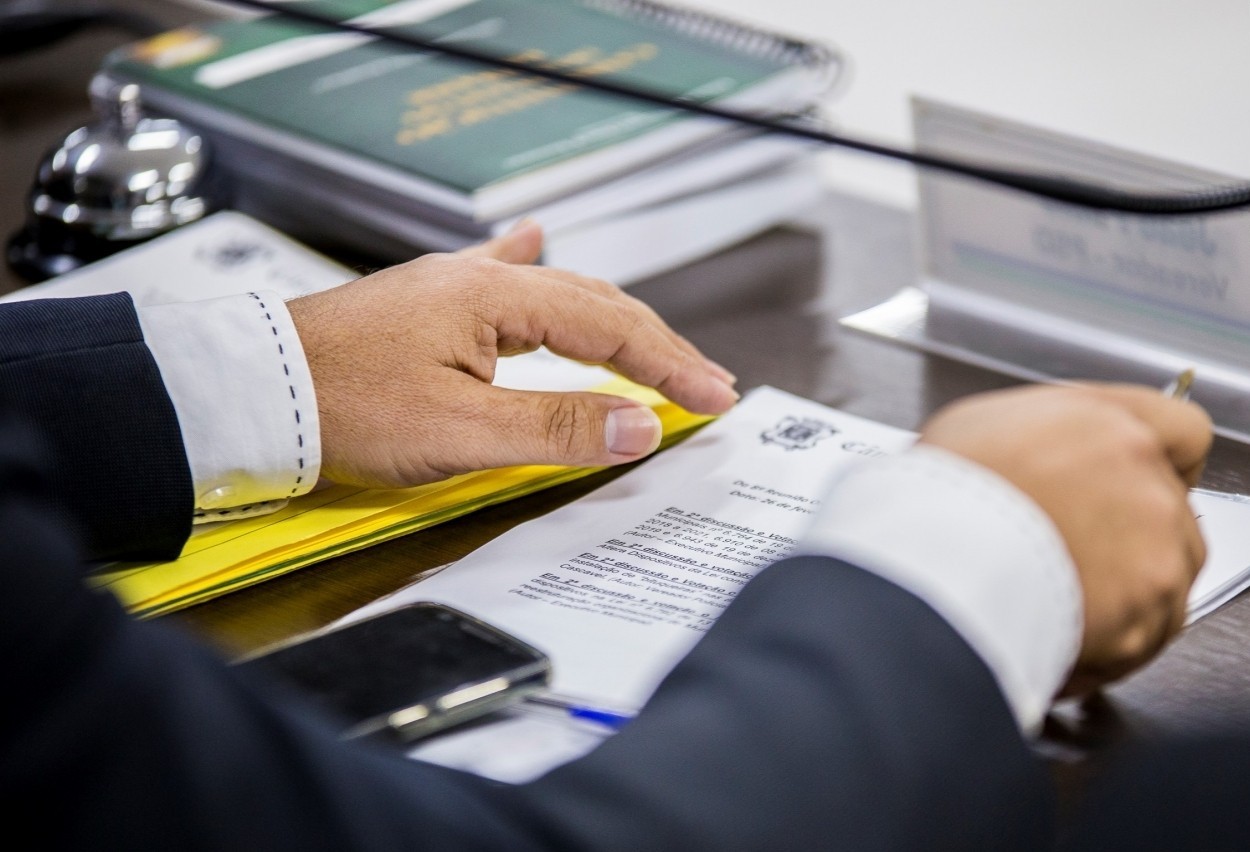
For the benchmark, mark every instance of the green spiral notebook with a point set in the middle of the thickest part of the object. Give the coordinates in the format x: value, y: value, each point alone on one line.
x: 466, y: 141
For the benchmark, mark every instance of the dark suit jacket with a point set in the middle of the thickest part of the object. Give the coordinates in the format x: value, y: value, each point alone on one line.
x: 79, y: 371
x: 827, y: 708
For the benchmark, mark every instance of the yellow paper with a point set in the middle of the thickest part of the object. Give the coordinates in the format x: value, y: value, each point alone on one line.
x: 221, y: 558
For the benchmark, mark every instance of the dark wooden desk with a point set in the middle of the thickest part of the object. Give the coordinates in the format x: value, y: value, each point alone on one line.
x: 768, y: 310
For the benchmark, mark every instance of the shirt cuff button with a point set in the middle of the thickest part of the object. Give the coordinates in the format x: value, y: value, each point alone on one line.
x: 219, y: 496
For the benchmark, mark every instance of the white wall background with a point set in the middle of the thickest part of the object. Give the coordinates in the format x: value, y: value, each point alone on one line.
x: 1164, y: 77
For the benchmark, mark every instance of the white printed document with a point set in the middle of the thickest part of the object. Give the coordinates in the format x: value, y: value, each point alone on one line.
x: 619, y: 585
x: 223, y: 254
x: 1225, y: 523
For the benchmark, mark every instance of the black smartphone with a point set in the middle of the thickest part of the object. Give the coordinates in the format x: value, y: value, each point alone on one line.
x: 407, y: 673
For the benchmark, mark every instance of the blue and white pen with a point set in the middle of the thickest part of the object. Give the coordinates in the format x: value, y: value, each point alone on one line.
x: 614, y: 719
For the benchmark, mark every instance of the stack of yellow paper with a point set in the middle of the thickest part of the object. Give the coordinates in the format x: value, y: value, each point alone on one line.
x: 221, y: 558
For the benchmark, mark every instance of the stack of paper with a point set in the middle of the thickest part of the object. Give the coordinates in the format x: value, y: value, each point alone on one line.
x: 342, y: 138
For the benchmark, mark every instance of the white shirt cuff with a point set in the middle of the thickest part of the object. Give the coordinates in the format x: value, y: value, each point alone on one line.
x: 977, y: 550
x: 236, y: 373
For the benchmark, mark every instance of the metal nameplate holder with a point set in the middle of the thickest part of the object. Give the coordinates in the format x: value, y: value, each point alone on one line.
x: 1051, y: 292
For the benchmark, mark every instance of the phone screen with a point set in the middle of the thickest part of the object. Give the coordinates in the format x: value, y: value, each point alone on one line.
x: 431, y: 664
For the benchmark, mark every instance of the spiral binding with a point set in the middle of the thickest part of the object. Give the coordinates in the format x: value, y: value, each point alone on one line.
x: 1056, y: 187
x: 744, y: 38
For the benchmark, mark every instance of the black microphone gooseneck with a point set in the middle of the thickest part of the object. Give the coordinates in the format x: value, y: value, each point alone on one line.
x: 1055, y: 187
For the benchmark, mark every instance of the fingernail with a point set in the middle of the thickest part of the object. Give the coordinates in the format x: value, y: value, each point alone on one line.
x: 522, y: 224
x: 731, y: 393
x: 632, y: 430
x: 721, y: 372
x: 712, y: 396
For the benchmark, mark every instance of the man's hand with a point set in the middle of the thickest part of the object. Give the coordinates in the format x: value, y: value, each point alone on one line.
x: 1111, y: 466
x: 402, y: 363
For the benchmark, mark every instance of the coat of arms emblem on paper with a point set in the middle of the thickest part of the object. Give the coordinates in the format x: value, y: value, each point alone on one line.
x: 798, y: 433
x: 232, y: 253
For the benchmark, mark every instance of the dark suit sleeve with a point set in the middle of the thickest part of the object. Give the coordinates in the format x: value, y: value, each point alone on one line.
x: 1161, y: 795
x: 826, y: 709
x: 79, y: 369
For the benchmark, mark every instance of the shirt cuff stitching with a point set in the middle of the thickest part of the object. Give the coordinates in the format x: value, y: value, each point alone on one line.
x: 286, y: 370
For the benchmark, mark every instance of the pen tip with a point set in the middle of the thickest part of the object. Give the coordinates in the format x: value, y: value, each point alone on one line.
x: 1180, y: 387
